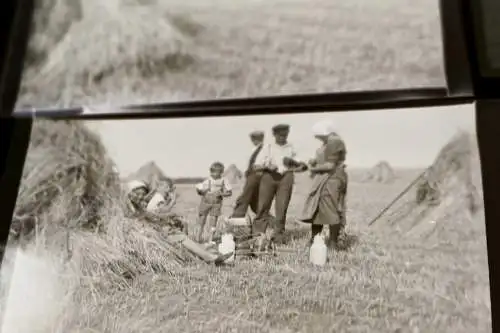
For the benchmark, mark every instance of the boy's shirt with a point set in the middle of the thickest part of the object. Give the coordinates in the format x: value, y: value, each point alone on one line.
x: 212, y: 185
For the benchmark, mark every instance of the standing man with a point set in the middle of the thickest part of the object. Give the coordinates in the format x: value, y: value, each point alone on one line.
x: 249, y: 195
x: 278, y: 162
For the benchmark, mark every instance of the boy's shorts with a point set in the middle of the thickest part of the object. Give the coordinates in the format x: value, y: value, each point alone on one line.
x: 212, y: 209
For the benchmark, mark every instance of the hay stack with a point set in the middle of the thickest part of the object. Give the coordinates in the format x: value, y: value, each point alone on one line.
x: 151, y: 174
x: 66, y: 170
x: 72, y: 196
x: 52, y: 20
x: 380, y: 173
x: 449, y: 195
x: 454, y: 173
x: 117, y: 42
x: 233, y: 174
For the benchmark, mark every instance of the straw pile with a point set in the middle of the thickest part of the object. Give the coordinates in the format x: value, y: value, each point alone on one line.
x: 67, y: 170
x: 449, y: 194
x: 51, y: 21
x: 112, y: 41
x: 70, y: 198
x: 154, y: 176
x: 233, y: 174
x: 380, y: 173
x: 455, y: 164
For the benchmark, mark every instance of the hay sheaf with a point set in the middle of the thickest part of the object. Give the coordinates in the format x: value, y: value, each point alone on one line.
x: 156, y: 178
x: 51, y: 21
x: 233, y: 174
x: 455, y: 168
x: 71, y: 199
x: 382, y: 172
x: 449, y: 192
x: 124, y: 43
x: 66, y: 169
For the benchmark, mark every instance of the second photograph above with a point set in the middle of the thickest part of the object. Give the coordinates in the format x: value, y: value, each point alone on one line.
x: 121, y: 52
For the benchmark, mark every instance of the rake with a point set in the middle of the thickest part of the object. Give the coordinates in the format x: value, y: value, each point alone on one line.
x: 396, y: 199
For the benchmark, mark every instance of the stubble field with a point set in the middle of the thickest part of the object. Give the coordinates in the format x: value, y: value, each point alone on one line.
x: 384, y: 283
x: 154, y: 51
x: 388, y: 281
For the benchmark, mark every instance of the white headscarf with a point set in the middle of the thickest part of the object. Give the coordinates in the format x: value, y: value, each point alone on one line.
x: 323, y: 128
x: 134, y: 184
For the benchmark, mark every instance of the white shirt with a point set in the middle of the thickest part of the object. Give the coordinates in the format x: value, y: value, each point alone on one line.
x: 214, y: 185
x: 273, y: 154
x: 254, y: 150
x: 253, y: 157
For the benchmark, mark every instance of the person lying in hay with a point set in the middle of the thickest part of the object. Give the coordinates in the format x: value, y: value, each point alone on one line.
x: 139, y: 195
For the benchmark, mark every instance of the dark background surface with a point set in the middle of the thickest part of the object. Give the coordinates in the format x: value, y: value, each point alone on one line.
x: 488, y: 30
x: 14, y: 135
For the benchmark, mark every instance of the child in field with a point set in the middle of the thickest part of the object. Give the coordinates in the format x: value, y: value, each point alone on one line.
x: 138, y: 197
x: 212, y: 190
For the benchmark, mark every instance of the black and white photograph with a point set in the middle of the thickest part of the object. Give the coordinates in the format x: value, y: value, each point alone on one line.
x: 119, y: 52
x: 366, y: 221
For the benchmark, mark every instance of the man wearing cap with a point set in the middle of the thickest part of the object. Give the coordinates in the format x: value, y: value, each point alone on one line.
x: 249, y: 195
x: 278, y: 161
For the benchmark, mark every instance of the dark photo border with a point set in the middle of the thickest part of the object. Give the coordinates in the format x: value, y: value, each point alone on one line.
x: 465, y: 84
x: 479, y: 9
x: 14, y: 35
x: 487, y: 120
x: 486, y: 78
x: 15, y: 136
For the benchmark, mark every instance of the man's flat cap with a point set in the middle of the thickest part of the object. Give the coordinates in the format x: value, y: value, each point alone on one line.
x: 281, y: 128
x: 257, y: 134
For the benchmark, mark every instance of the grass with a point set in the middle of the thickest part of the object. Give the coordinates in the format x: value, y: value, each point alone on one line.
x: 384, y: 283
x: 240, y: 49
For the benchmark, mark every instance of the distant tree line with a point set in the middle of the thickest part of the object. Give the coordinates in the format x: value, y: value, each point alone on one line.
x: 187, y: 180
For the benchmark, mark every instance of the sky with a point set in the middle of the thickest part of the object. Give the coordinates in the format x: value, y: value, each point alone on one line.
x: 185, y: 147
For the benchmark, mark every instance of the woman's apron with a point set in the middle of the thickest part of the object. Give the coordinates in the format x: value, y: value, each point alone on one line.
x: 318, y: 184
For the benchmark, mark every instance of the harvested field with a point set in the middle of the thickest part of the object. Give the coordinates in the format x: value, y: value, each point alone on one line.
x: 380, y: 173
x: 386, y: 282
x: 180, y: 50
x: 119, y: 275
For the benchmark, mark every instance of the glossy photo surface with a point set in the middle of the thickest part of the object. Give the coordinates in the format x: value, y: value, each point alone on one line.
x: 106, y: 233
x: 143, y: 51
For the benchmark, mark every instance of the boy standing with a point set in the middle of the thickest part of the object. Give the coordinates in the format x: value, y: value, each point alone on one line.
x: 138, y: 195
x: 212, y: 190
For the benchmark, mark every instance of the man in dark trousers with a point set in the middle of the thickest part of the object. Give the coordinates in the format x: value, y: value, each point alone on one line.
x: 278, y: 161
x: 249, y: 195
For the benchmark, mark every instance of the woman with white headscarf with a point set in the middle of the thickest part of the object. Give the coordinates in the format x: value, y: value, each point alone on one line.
x: 325, y: 202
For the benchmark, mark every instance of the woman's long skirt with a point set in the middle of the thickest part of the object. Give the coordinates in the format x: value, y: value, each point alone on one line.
x: 325, y: 203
